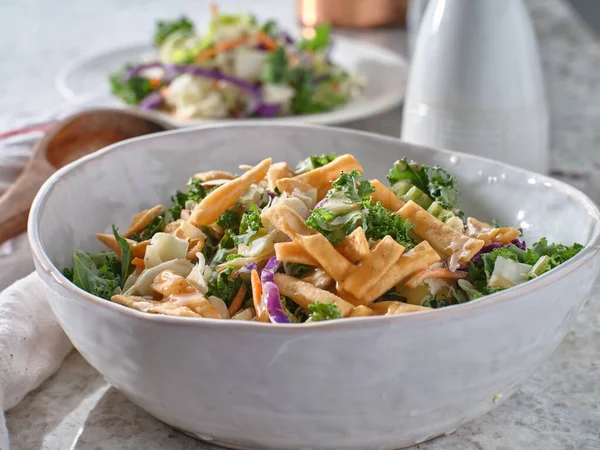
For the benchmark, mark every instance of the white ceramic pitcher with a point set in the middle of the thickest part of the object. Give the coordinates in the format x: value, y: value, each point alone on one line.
x: 476, y: 84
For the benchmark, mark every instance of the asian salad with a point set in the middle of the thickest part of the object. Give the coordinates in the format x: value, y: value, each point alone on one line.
x: 313, y: 243
x: 237, y: 68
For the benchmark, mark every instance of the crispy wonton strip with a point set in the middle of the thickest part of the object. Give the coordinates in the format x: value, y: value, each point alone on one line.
x: 392, y: 308
x: 419, y: 258
x: 153, y: 306
x: 443, y: 239
x: 306, y: 294
x: 418, y: 278
x: 386, y: 197
x: 196, y: 246
x: 315, y: 244
x: 289, y: 184
x: 142, y: 220
x: 361, y: 311
x: 329, y: 172
x: 354, y: 246
x: 224, y: 197
x: 321, y: 177
x: 292, y: 252
x: 373, y: 266
x: 138, y: 249
x: 276, y: 172
x: 261, y: 313
x: 483, y: 231
x: 214, y: 175
x: 319, y: 279
x: 236, y: 303
x: 110, y: 241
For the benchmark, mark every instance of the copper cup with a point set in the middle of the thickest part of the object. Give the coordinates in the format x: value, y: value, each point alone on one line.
x: 352, y: 13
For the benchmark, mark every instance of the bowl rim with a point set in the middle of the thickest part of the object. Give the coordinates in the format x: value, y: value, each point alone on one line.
x: 44, y: 263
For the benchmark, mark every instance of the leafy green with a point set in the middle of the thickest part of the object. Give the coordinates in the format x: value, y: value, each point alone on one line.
x: 271, y: 28
x: 558, y: 253
x: 438, y: 183
x: 481, y: 271
x: 381, y: 222
x: 342, y: 210
x: 349, y: 184
x: 443, y: 188
x: 131, y: 90
x: 126, y: 256
x: 101, y: 280
x: 224, y: 248
x: 196, y: 193
x: 297, y: 270
x: 323, y: 311
x: 315, y: 161
x: 230, y: 219
x: 164, y: 28
x: 437, y: 302
x: 275, y: 68
x: 321, y: 39
x: 249, y: 225
x: 223, y: 285
x: 156, y: 226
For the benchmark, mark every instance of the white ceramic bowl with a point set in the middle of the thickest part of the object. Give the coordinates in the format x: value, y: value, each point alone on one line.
x: 365, y: 383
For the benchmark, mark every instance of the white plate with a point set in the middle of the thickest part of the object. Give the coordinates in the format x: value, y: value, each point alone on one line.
x: 385, y: 71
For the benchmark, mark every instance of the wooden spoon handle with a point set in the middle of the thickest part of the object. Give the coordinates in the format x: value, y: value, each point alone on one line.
x: 16, y: 202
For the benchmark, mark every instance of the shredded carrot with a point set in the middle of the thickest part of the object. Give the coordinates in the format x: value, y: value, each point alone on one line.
x: 261, y: 314
x: 417, y: 279
x: 221, y: 47
x: 138, y: 263
x: 155, y: 83
x: 236, y: 304
x: 266, y: 40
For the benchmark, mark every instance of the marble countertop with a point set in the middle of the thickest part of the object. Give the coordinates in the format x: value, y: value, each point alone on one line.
x: 557, y: 408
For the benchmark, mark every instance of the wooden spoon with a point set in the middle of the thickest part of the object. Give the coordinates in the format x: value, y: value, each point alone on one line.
x: 68, y: 140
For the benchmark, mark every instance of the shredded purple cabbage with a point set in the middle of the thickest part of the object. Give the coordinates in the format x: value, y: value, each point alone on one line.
x: 287, y: 38
x: 271, y: 194
x: 273, y: 303
x: 255, y: 95
x: 248, y: 268
x: 520, y: 244
x: 268, y: 273
x: 268, y: 110
x: 154, y: 100
x: 136, y: 70
x: 486, y: 249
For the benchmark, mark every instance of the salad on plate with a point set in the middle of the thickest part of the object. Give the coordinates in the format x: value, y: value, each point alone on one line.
x: 236, y: 68
x: 315, y: 242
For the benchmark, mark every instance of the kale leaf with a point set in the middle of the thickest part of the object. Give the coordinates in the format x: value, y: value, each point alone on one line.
x: 434, y: 181
x: 126, y: 256
x: 164, y: 28
x: 131, y: 90
x: 230, y: 220
x: 156, y: 226
x: 297, y: 270
x: 323, y: 311
x: 275, y: 68
x: 315, y: 161
x: 381, y: 222
x: 321, y: 39
x: 196, y: 193
x: 249, y: 225
x: 224, y: 285
x: 102, y: 280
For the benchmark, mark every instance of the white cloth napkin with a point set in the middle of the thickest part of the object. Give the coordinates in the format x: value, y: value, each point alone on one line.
x: 32, y: 343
